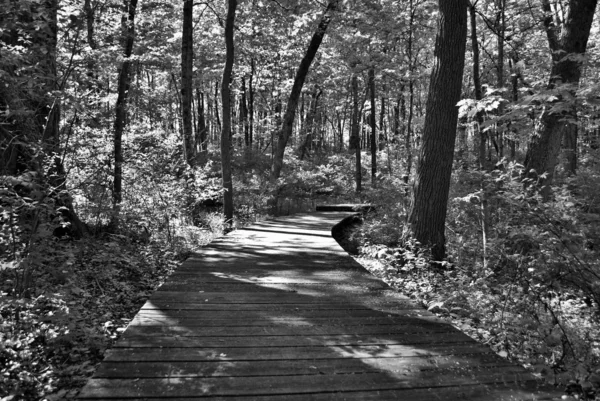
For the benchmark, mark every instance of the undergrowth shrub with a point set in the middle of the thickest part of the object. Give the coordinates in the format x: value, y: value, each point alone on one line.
x: 532, y: 292
x: 539, y: 279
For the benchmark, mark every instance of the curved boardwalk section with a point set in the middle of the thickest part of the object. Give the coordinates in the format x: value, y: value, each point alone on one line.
x: 278, y: 311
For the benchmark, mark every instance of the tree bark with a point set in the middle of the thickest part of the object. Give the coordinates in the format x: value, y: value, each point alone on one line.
x: 355, y: 134
x: 485, y: 213
x: 226, y: 104
x: 373, y: 129
x: 288, y: 120
x: 121, y: 106
x: 568, y: 45
x: 411, y: 95
x: 428, y: 210
x: 477, y: 86
x: 187, y: 62
x: 244, y: 113
x: 201, y: 131
x: 251, y: 103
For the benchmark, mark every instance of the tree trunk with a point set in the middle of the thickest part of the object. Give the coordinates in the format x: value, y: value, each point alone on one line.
x: 485, y: 213
x: 251, y: 103
x: 411, y: 95
x: 187, y: 63
x: 571, y: 41
x: 244, y: 113
x: 201, y: 131
x: 308, y: 130
x: 288, y: 120
x: 121, y: 106
x: 428, y: 210
x: 477, y: 86
x: 373, y: 129
x: 226, y: 103
x: 355, y: 134
x: 382, y: 125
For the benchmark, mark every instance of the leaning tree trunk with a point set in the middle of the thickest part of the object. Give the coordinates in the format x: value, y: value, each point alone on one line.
x: 428, y: 209
x: 290, y: 113
x: 568, y: 47
x: 121, y: 106
x: 226, y: 104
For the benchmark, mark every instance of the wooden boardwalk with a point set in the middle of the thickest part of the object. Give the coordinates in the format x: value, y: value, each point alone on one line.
x: 278, y: 311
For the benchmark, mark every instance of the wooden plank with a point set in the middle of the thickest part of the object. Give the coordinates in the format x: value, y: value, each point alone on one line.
x: 211, y: 305
x: 282, y: 297
x: 284, y: 385
x: 265, y: 320
x: 526, y: 391
x: 284, y: 330
x: 208, y: 279
x: 184, y: 315
x: 283, y: 321
x: 325, y: 288
x: 288, y: 353
x: 291, y: 341
x: 233, y: 273
x: 297, y: 367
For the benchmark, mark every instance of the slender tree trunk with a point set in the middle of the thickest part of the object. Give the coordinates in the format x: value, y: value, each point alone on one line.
x: 382, y: 124
x: 428, y: 210
x: 91, y: 39
x: 121, y: 106
x: 308, y: 130
x: 288, y: 120
x: 571, y: 41
x: 216, y: 108
x: 244, y: 113
x: 355, y: 134
x: 501, y: 31
x: 373, y: 129
x: 202, y: 138
x: 485, y: 213
x: 251, y: 103
x: 226, y: 103
x: 187, y: 63
x: 411, y: 94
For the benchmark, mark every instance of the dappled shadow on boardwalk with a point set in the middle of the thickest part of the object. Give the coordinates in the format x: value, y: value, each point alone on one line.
x: 279, y: 311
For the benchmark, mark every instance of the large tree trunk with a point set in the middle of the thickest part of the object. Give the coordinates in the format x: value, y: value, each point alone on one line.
x: 288, y: 120
x: 571, y: 41
x: 187, y: 62
x: 226, y: 103
x: 121, y: 106
x: 428, y: 209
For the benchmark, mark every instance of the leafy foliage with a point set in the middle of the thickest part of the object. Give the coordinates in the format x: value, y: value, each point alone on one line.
x: 533, y: 294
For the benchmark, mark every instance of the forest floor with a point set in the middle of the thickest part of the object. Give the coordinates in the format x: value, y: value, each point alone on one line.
x: 85, y: 293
